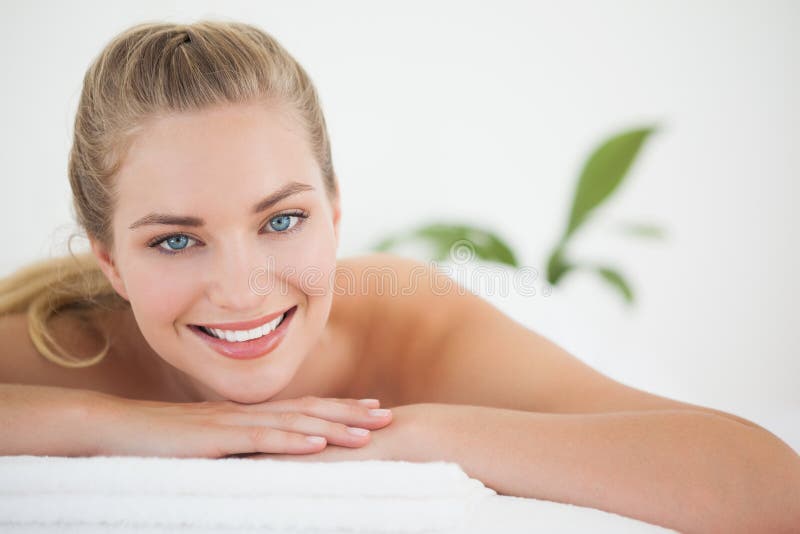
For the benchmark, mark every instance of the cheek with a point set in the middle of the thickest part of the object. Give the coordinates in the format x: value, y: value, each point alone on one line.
x: 306, y: 266
x: 159, y: 295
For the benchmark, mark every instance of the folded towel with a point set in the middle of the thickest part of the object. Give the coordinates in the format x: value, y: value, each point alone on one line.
x: 123, y: 493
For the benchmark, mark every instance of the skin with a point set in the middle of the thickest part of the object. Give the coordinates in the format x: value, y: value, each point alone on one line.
x: 425, y: 347
x: 184, y: 165
x: 464, y: 380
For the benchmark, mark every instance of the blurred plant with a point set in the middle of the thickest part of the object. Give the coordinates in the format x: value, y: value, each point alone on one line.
x: 602, y: 173
x: 486, y: 245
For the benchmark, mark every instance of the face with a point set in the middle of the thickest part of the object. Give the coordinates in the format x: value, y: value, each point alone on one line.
x: 199, y: 238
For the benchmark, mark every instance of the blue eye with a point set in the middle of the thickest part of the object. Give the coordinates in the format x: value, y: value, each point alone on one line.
x: 175, y: 243
x: 283, y: 224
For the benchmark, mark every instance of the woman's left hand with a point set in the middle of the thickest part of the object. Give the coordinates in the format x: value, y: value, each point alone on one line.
x: 399, y: 440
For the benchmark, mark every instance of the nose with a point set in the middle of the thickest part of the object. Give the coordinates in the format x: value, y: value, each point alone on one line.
x: 230, y: 284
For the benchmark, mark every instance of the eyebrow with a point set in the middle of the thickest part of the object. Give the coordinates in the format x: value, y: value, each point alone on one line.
x: 292, y: 188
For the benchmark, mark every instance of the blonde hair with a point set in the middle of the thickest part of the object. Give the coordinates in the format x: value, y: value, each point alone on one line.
x: 146, y: 71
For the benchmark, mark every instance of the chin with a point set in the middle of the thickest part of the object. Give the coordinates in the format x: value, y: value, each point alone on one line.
x: 252, y: 398
x: 249, y: 389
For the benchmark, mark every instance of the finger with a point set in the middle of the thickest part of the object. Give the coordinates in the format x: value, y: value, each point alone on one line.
x: 288, y: 403
x: 226, y: 440
x: 351, y: 414
x: 334, y: 433
x: 369, y: 403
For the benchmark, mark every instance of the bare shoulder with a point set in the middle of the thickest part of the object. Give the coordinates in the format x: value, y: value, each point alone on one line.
x: 17, y: 351
x: 21, y: 361
x: 118, y: 373
x: 439, y: 342
x: 394, y: 288
x: 401, y: 303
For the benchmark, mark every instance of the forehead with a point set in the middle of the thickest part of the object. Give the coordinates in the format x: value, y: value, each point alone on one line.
x: 231, y: 151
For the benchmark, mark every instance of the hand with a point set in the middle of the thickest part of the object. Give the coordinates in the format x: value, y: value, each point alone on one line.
x: 215, y: 429
x: 398, y: 441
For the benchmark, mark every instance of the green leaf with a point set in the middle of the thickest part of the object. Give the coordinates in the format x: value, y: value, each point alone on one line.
x: 499, y: 251
x: 617, y: 281
x: 650, y: 231
x: 603, y: 172
x: 557, y: 266
x: 456, y: 241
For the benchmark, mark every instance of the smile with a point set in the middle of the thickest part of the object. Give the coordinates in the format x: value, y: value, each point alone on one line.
x: 244, y: 335
x: 246, y: 340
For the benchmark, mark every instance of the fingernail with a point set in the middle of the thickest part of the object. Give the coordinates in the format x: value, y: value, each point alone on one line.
x: 379, y: 412
x: 373, y: 402
x: 358, y: 431
x: 315, y: 439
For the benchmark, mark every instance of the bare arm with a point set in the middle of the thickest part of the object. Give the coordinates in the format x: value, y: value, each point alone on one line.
x: 45, y: 420
x: 54, y: 421
x: 685, y: 470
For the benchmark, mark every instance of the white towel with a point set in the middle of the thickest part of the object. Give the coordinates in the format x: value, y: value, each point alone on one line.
x: 134, y: 494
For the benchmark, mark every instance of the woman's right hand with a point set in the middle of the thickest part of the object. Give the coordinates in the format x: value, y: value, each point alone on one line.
x: 215, y: 429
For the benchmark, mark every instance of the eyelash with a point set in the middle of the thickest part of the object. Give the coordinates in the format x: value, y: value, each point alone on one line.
x: 301, y: 214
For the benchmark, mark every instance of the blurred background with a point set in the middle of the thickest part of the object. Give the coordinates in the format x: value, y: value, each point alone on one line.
x: 484, y: 114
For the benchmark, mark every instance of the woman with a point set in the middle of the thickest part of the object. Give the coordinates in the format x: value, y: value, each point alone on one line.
x: 219, y: 322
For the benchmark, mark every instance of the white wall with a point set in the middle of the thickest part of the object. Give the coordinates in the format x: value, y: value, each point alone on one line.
x: 484, y: 112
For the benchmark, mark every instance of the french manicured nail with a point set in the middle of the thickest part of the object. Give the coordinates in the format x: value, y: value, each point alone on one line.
x: 382, y: 412
x: 369, y: 402
x: 315, y: 439
x: 357, y: 431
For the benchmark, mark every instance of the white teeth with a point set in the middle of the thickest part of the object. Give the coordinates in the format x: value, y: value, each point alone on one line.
x: 246, y: 335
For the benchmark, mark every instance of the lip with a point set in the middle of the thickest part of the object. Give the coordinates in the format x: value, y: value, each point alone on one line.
x: 248, y: 350
x: 246, y: 325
